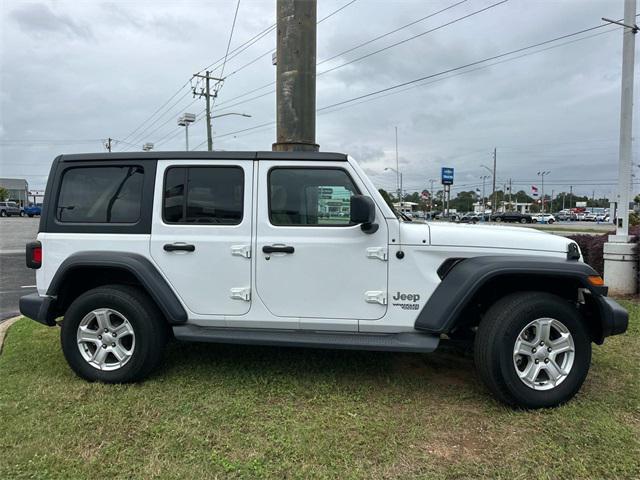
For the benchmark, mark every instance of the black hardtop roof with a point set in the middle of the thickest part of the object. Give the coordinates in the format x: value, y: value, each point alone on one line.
x: 218, y: 155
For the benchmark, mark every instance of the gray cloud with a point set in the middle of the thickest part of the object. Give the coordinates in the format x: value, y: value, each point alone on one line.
x: 40, y: 20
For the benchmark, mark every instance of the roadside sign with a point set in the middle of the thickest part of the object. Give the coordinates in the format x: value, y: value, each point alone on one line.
x: 447, y: 176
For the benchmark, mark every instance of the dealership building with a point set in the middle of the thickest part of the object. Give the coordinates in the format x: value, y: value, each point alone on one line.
x: 18, y: 189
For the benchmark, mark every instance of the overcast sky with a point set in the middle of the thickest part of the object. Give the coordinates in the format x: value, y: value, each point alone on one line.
x: 76, y: 72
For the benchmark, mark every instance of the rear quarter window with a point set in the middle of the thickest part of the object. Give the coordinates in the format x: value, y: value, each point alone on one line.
x: 110, y: 194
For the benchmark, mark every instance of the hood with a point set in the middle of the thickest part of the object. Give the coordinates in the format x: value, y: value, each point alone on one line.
x: 482, y: 236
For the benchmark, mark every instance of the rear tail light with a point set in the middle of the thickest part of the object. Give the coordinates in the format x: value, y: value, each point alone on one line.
x: 34, y: 254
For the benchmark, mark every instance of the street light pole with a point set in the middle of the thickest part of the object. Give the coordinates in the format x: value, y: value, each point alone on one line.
x: 224, y: 115
x: 483, y: 177
x: 541, y: 175
x: 184, y: 120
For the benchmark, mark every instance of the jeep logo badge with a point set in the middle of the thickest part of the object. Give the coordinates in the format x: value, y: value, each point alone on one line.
x: 411, y: 297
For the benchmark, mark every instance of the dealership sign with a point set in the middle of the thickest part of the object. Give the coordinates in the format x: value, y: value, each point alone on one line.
x: 447, y: 176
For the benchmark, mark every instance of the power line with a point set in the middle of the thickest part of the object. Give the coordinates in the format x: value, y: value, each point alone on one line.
x: 156, y: 111
x: 379, y: 37
x: 454, y: 69
x: 414, y: 37
x: 233, y: 26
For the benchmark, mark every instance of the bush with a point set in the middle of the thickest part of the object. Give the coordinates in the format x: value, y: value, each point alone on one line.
x: 592, y: 247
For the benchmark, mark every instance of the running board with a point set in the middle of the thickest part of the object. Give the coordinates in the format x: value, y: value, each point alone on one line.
x: 391, y: 342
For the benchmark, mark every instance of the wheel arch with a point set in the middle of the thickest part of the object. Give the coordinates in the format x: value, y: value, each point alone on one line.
x: 472, y: 285
x: 84, y: 271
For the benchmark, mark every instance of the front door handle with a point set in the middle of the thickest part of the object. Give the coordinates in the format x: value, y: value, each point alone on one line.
x: 277, y: 249
x: 185, y: 247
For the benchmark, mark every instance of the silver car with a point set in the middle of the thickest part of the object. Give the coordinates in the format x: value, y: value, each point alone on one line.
x: 10, y: 208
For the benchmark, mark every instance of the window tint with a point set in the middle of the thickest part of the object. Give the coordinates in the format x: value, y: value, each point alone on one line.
x: 213, y: 195
x: 310, y: 196
x: 101, y: 195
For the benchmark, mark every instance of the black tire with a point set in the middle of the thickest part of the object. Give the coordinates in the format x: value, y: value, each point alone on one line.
x: 3, y: 213
x: 523, y: 220
x: 30, y: 215
x: 497, y: 219
x: 148, y: 324
x: 22, y: 214
x: 496, y: 338
x: 550, y: 221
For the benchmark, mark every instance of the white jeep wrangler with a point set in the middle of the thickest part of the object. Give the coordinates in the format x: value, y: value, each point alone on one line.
x: 299, y: 249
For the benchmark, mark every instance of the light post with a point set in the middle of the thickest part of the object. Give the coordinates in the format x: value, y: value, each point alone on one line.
x: 483, y: 177
x: 399, y: 176
x: 541, y: 174
x: 226, y: 114
x: 184, y: 120
x: 490, y: 176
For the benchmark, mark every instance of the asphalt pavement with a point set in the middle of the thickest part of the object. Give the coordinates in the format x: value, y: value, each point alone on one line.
x: 15, y: 278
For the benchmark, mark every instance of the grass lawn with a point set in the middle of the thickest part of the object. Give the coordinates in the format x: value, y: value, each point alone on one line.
x: 249, y: 412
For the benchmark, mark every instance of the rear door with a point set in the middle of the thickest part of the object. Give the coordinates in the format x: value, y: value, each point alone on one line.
x: 311, y: 262
x: 201, y: 233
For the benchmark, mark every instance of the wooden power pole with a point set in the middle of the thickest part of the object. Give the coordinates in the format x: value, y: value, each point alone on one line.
x: 296, y: 76
x: 208, y: 95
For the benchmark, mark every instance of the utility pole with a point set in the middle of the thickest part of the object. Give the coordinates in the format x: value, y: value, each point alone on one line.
x: 107, y: 144
x: 570, y: 196
x: 620, y: 255
x: 206, y: 93
x: 510, y: 186
x: 551, y: 202
x: 296, y: 76
x: 493, y: 202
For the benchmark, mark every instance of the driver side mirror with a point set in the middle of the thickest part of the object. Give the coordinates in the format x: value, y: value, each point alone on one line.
x: 363, y: 212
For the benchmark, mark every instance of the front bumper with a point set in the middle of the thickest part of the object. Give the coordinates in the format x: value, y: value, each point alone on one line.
x: 40, y: 309
x: 614, y: 319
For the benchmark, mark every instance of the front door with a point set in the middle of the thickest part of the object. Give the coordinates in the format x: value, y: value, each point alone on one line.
x: 201, y: 233
x: 311, y: 262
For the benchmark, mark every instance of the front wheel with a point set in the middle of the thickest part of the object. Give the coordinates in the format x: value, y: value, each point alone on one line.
x: 113, y: 334
x: 498, y: 219
x: 523, y: 220
x: 22, y: 214
x: 532, y: 350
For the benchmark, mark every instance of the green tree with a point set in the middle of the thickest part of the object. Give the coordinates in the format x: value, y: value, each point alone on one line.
x: 4, y: 194
x: 386, y: 197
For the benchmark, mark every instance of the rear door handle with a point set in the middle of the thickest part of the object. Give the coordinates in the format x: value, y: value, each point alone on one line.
x: 277, y: 249
x: 185, y: 247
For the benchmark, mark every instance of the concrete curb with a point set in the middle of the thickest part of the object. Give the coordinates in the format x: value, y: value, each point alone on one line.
x: 4, y: 326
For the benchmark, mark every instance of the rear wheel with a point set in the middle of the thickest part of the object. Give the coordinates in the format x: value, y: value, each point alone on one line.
x: 498, y: 219
x: 21, y: 213
x: 532, y: 350
x: 523, y: 220
x: 113, y: 334
x: 3, y: 213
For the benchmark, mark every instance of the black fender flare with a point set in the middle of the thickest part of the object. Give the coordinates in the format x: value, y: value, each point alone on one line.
x: 137, y: 265
x: 463, y: 280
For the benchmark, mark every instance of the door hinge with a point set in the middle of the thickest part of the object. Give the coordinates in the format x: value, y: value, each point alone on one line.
x: 376, y: 296
x: 377, y: 252
x: 241, y: 293
x: 241, y: 250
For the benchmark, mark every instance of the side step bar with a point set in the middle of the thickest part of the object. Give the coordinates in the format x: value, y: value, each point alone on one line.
x: 392, y: 342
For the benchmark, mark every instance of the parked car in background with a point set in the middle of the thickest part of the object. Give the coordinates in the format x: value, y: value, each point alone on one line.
x: 473, y: 217
x: 580, y: 216
x: 7, y: 209
x: 602, y: 217
x: 33, y: 209
x: 543, y: 218
x: 511, y: 217
x: 565, y: 216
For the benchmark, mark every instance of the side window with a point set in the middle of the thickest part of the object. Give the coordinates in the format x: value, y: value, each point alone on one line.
x: 206, y: 195
x: 310, y: 196
x: 100, y: 195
